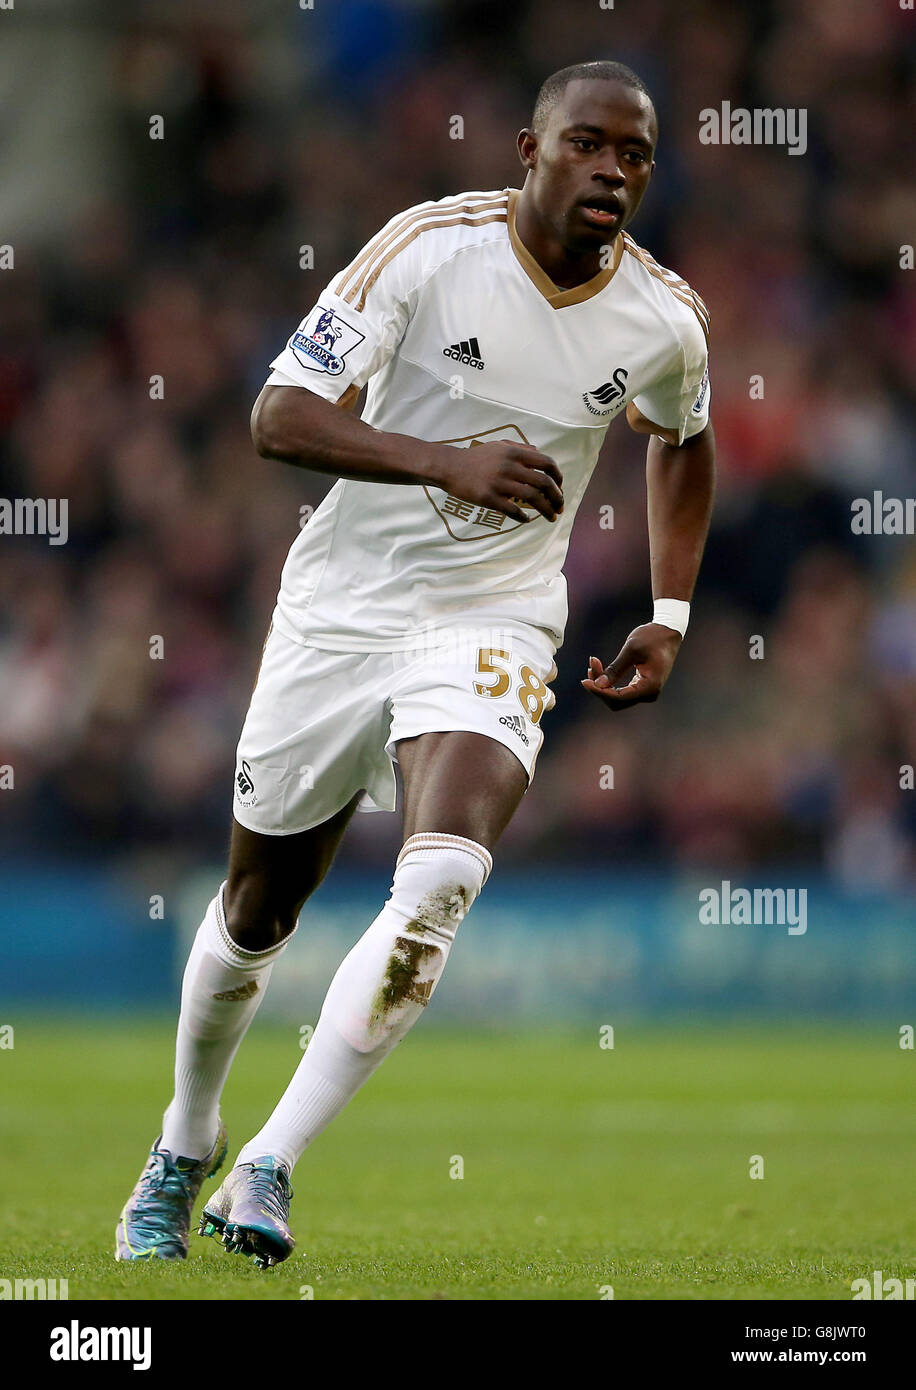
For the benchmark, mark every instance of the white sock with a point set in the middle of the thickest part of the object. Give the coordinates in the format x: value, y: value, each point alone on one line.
x: 380, y: 989
x: 222, y: 988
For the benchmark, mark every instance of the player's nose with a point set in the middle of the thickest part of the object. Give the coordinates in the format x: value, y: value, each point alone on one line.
x: 609, y: 170
x: 610, y: 175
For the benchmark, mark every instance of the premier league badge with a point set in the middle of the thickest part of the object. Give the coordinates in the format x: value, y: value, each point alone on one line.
x: 323, y: 340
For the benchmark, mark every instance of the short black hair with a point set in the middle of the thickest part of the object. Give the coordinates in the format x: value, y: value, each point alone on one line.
x: 555, y: 85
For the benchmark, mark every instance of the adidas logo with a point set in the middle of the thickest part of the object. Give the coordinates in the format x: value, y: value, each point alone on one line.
x: 467, y: 352
x: 513, y: 722
x: 244, y: 991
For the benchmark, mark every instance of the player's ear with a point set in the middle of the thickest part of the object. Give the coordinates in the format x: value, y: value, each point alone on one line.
x: 527, y: 143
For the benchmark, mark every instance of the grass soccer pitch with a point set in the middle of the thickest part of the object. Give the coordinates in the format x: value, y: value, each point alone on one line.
x: 584, y: 1169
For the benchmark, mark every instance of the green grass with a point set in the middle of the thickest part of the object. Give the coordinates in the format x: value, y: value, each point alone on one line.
x: 582, y: 1167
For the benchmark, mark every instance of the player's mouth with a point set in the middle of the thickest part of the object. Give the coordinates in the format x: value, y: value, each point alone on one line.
x: 601, y: 212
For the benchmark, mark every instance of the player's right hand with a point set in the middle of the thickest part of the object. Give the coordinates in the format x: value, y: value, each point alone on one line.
x: 507, y: 476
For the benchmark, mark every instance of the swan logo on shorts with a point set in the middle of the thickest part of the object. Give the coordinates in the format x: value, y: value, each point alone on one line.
x: 322, y: 341
x: 244, y: 784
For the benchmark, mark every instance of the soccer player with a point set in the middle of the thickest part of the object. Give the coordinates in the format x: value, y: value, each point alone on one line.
x: 420, y: 608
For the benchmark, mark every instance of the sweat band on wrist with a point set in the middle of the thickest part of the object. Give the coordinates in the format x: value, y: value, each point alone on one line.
x: 672, y: 612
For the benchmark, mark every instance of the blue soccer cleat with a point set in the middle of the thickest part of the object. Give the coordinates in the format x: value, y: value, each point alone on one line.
x: 251, y: 1212
x: 157, y: 1217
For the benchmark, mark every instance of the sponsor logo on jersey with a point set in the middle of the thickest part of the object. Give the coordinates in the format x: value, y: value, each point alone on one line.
x: 513, y: 722
x: 322, y: 341
x: 609, y: 397
x: 244, y: 782
x: 467, y: 352
x: 467, y: 521
x: 697, y: 408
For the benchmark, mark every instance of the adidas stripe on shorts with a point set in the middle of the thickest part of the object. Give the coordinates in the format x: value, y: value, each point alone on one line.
x: 322, y: 725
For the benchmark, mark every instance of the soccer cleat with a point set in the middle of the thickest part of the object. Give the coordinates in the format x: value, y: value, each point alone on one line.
x: 250, y: 1212
x: 156, y: 1219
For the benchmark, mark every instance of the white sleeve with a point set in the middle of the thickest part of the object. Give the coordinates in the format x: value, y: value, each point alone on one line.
x: 679, y: 399
x: 357, y: 323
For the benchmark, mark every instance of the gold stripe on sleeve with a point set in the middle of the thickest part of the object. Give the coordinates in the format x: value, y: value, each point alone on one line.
x: 678, y: 287
x: 350, y: 285
x: 365, y: 285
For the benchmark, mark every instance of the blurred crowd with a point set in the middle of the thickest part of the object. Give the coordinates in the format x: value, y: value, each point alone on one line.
x: 286, y: 127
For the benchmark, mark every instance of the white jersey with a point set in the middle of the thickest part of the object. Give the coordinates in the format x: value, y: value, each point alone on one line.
x: 464, y: 339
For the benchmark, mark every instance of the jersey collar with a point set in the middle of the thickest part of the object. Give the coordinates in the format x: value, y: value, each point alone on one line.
x: 556, y: 297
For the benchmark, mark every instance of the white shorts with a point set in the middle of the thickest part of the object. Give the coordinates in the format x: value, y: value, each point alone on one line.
x: 322, y: 725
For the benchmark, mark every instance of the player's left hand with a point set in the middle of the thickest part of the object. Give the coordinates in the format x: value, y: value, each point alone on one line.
x: 649, y: 653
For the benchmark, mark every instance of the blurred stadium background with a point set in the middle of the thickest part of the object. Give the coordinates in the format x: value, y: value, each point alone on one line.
x: 133, y: 257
